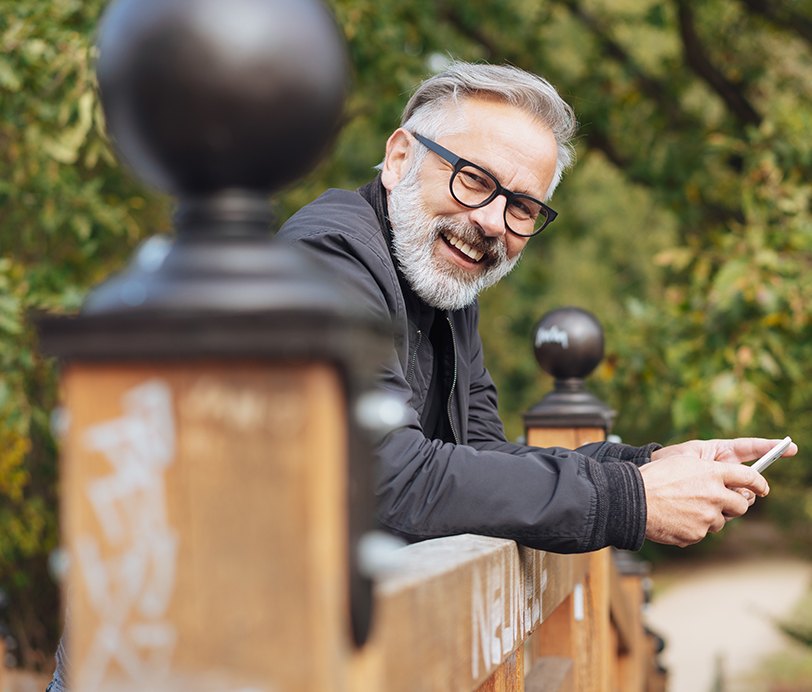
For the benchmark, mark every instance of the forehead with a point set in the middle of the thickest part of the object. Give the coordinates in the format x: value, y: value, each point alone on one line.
x: 507, y: 140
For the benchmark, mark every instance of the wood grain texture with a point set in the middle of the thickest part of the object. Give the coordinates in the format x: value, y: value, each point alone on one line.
x: 452, y: 610
x: 508, y: 677
x: 633, y: 658
x: 551, y: 674
x: 205, y: 513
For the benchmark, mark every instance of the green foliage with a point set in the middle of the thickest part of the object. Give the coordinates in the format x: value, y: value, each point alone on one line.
x: 68, y: 216
x: 686, y: 226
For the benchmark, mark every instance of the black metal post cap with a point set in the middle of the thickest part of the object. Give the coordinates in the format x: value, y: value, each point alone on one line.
x: 207, y: 95
x: 568, y: 343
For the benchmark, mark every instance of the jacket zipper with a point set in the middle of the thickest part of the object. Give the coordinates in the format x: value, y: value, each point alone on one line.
x: 413, y: 362
x: 453, y: 382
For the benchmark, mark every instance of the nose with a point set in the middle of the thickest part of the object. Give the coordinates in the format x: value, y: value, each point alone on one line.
x: 491, y: 217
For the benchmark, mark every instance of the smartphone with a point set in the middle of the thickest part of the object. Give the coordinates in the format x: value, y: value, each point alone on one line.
x: 772, y: 455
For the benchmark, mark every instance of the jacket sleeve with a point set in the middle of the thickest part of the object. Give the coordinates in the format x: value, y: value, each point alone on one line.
x: 553, y: 499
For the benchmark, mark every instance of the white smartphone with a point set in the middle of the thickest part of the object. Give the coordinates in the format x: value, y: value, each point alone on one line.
x: 772, y: 455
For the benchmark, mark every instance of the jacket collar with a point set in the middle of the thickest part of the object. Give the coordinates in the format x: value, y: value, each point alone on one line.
x: 375, y: 194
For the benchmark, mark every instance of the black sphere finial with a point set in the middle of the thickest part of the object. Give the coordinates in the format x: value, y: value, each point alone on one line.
x: 202, y: 96
x: 219, y: 103
x: 568, y: 343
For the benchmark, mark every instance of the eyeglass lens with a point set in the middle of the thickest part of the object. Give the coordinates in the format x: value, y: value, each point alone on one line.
x: 474, y: 187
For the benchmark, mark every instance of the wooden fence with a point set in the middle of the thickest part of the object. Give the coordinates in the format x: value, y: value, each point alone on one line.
x: 477, y: 613
x: 253, y: 593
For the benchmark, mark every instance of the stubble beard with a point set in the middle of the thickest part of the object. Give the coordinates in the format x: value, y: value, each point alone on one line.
x: 415, y: 234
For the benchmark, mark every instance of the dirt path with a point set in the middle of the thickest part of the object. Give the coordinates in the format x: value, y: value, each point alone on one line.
x: 722, y: 614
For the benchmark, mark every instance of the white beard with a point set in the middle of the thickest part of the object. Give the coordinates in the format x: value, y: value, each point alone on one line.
x: 415, y: 233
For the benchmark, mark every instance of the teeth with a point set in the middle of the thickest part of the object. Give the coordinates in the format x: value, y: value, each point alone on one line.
x: 464, y: 248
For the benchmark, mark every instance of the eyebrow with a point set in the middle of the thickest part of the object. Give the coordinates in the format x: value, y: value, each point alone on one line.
x: 453, y: 160
x: 520, y: 191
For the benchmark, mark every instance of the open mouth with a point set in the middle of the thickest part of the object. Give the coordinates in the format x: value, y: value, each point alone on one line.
x: 462, y: 248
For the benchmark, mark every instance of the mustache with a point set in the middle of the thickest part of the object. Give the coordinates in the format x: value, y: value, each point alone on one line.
x: 493, y: 249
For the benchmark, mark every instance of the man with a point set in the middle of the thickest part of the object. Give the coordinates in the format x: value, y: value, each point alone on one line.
x: 462, y: 188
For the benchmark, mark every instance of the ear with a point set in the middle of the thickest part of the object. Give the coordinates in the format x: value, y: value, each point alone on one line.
x: 398, y: 158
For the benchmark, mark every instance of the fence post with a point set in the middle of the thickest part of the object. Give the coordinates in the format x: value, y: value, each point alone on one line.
x: 209, y: 387
x: 569, y: 345
x: 637, y: 660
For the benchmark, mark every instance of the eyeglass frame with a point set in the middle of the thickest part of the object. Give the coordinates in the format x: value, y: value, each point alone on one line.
x: 458, y: 163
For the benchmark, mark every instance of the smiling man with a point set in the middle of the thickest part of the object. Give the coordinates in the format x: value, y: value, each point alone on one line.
x: 459, y: 229
x: 462, y: 189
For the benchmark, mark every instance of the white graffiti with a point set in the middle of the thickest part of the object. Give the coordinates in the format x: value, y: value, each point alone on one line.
x: 505, y: 608
x: 129, y: 571
x: 553, y: 335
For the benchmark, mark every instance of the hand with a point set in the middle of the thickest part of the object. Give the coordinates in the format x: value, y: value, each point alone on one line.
x: 733, y: 451
x: 687, y: 496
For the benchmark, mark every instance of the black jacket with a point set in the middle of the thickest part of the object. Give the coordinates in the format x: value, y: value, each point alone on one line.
x: 552, y: 499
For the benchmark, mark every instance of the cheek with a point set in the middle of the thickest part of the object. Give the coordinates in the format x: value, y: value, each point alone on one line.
x: 515, y: 244
x: 435, y: 193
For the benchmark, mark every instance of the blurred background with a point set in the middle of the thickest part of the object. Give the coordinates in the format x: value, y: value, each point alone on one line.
x: 686, y: 228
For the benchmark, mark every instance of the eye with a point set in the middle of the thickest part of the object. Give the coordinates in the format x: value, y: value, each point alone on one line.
x: 474, y: 180
x: 524, y: 209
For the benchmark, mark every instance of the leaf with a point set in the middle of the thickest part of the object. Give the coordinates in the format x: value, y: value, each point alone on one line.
x: 9, y: 80
x: 687, y: 410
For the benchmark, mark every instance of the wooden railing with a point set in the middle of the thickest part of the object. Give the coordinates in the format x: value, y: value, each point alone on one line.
x: 477, y: 613
x: 265, y: 553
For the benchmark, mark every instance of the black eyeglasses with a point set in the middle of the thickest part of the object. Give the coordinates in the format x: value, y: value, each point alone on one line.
x: 473, y: 187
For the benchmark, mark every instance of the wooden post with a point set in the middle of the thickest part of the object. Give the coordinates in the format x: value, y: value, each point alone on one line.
x: 569, y: 345
x: 635, y: 659
x: 632, y: 663
x: 208, y: 387
x: 205, y: 502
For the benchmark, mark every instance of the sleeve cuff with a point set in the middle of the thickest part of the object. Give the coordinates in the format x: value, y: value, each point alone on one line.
x: 612, y: 451
x: 625, y: 506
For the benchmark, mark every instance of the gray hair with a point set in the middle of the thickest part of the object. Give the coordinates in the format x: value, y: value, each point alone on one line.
x: 427, y: 109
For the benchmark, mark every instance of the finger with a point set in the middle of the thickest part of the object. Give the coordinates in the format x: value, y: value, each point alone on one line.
x: 734, y: 504
x: 735, y: 476
x: 718, y: 523
x: 747, y: 494
x: 743, y: 449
